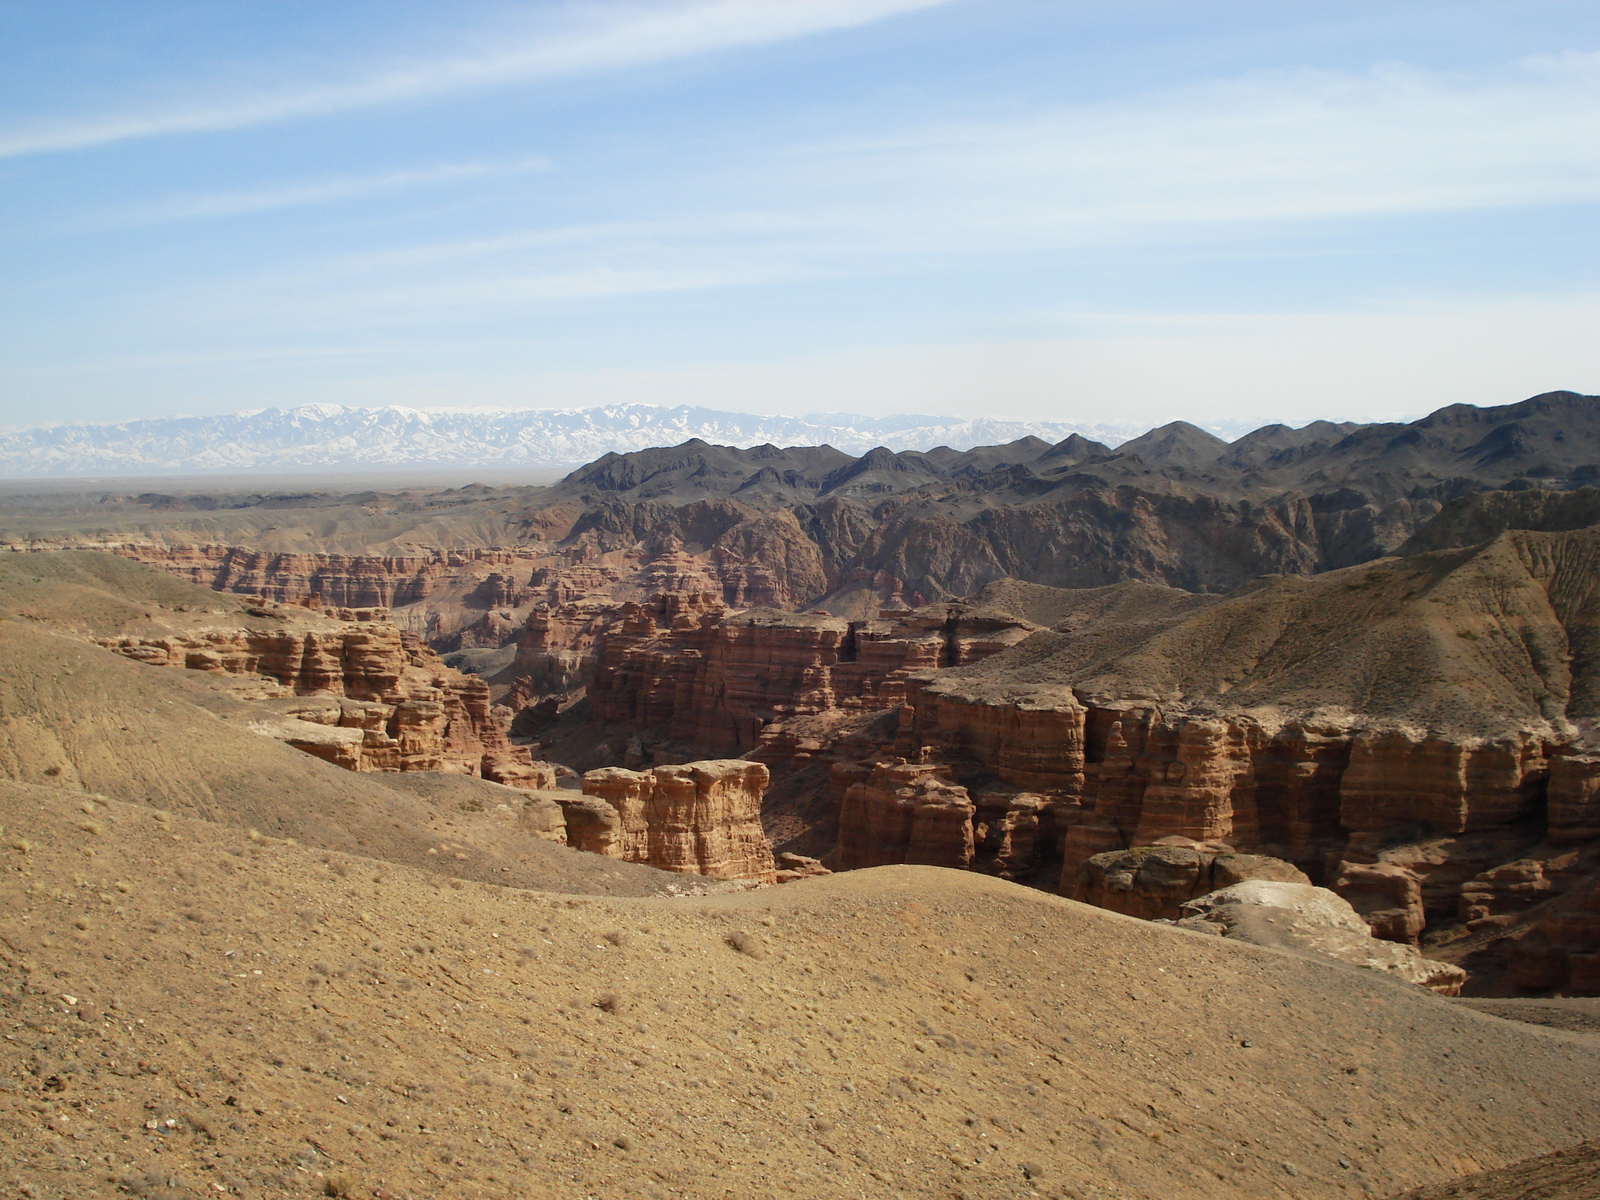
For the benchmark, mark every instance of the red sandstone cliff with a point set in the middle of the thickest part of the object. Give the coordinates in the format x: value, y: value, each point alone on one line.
x: 350, y: 687
x: 700, y: 818
x: 693, y: 671
x: 1405, y: 732
x: 479, y: 595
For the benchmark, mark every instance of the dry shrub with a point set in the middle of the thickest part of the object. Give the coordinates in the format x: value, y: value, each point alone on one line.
x: 752, y: 945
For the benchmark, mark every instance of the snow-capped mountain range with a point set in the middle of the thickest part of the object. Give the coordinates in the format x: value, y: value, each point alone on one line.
x: 318, y: 437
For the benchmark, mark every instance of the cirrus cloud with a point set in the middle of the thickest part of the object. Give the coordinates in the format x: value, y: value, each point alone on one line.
x: 608, y: 38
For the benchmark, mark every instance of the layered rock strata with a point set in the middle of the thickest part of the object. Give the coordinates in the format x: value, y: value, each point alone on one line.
x: 898, y: 812
x: 1301, y: 788
x: 350, y: 687
x: 1020, y: 750
x: 1476, y: 673
x: 1561, y: 950
x: 480, y: 595
x: 1406, y: 733
x: 694, y: 671
x: 700, y: 818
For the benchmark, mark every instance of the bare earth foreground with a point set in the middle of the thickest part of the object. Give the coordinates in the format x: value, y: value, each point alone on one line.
x: 192, y: 1010
x: 1572, y: 1174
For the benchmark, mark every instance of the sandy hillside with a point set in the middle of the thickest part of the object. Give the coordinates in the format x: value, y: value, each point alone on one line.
x: 76, y: 716
x: 189, y: 1011
x: 1571, y: 1174
x: 1472, y: 642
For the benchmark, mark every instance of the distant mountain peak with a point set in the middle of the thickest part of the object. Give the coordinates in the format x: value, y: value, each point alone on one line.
x: 321, y: 436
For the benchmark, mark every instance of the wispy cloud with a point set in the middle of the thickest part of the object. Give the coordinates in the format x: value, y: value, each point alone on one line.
x: 1280, y: 149
x: 1281, y: 145
x: 1222, y: 162
x: 614, y: 36
x: 327, y: 191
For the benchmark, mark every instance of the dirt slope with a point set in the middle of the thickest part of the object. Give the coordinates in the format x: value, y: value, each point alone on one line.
x: 73, y: 716
x: 190, y: 1012
x: 1476, y: 641
x: 1572, y: 1174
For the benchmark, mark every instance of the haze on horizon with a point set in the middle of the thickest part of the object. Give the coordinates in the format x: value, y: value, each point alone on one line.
x: 1022, y: 209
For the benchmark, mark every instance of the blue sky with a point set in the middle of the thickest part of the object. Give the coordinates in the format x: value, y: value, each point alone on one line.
x: 1122, y: 211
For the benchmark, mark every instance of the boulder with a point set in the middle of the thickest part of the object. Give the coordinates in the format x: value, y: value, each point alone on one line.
x: 1156, y: 881
x: 1312, y: 920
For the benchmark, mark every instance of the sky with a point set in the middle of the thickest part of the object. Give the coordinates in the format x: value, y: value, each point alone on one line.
x: 1119, y: 211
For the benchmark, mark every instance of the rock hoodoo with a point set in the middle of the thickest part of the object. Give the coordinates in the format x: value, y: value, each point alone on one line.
x: 699, y: 818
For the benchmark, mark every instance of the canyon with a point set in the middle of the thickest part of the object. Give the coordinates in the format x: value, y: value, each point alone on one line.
x: 1415, y: 733
x: 802, y: 797
x: 346, y: 686
x: 803, y: 609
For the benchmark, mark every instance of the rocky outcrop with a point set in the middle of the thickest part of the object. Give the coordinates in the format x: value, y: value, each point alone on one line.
x: 1562, y: 951
x: 351, y: 688
x: 1237, y: 722
x: 1388, y: 897
x: 1157, y: 881
x: 1245, y: 777
x: 1292, y: 789
x: 1574, y: 798
x: 443, y: 595
x: 480, y: 596
x: 1134, y: 714
x: 701, y: 818
x: 685, y: 668
x: 906, y: 813
x: 898, y: 812
x: 793, y: 866
x: 1311, y: 920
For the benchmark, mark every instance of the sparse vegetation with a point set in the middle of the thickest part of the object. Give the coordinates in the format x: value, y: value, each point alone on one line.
x: 751, y: 945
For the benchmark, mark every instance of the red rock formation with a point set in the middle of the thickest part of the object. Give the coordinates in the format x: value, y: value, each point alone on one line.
x: 1505, y: 889
x: 1394, y: 778
x: 693, y: 671
x: 1575, y: 798
x: 705, y: 679
x: 906, y: 813
x: 1157, y: 881
x: 1058, y: 775
x: 1388, y: 897
x: 1132, y: 776
x: 701, y: 818
x: 341, y: 580
x: 591, y: 823
x: 1563, y: 949
x: 1016, y: 834
x: 348, y: 686
x: 478, y: 596
x: 799, y: 866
